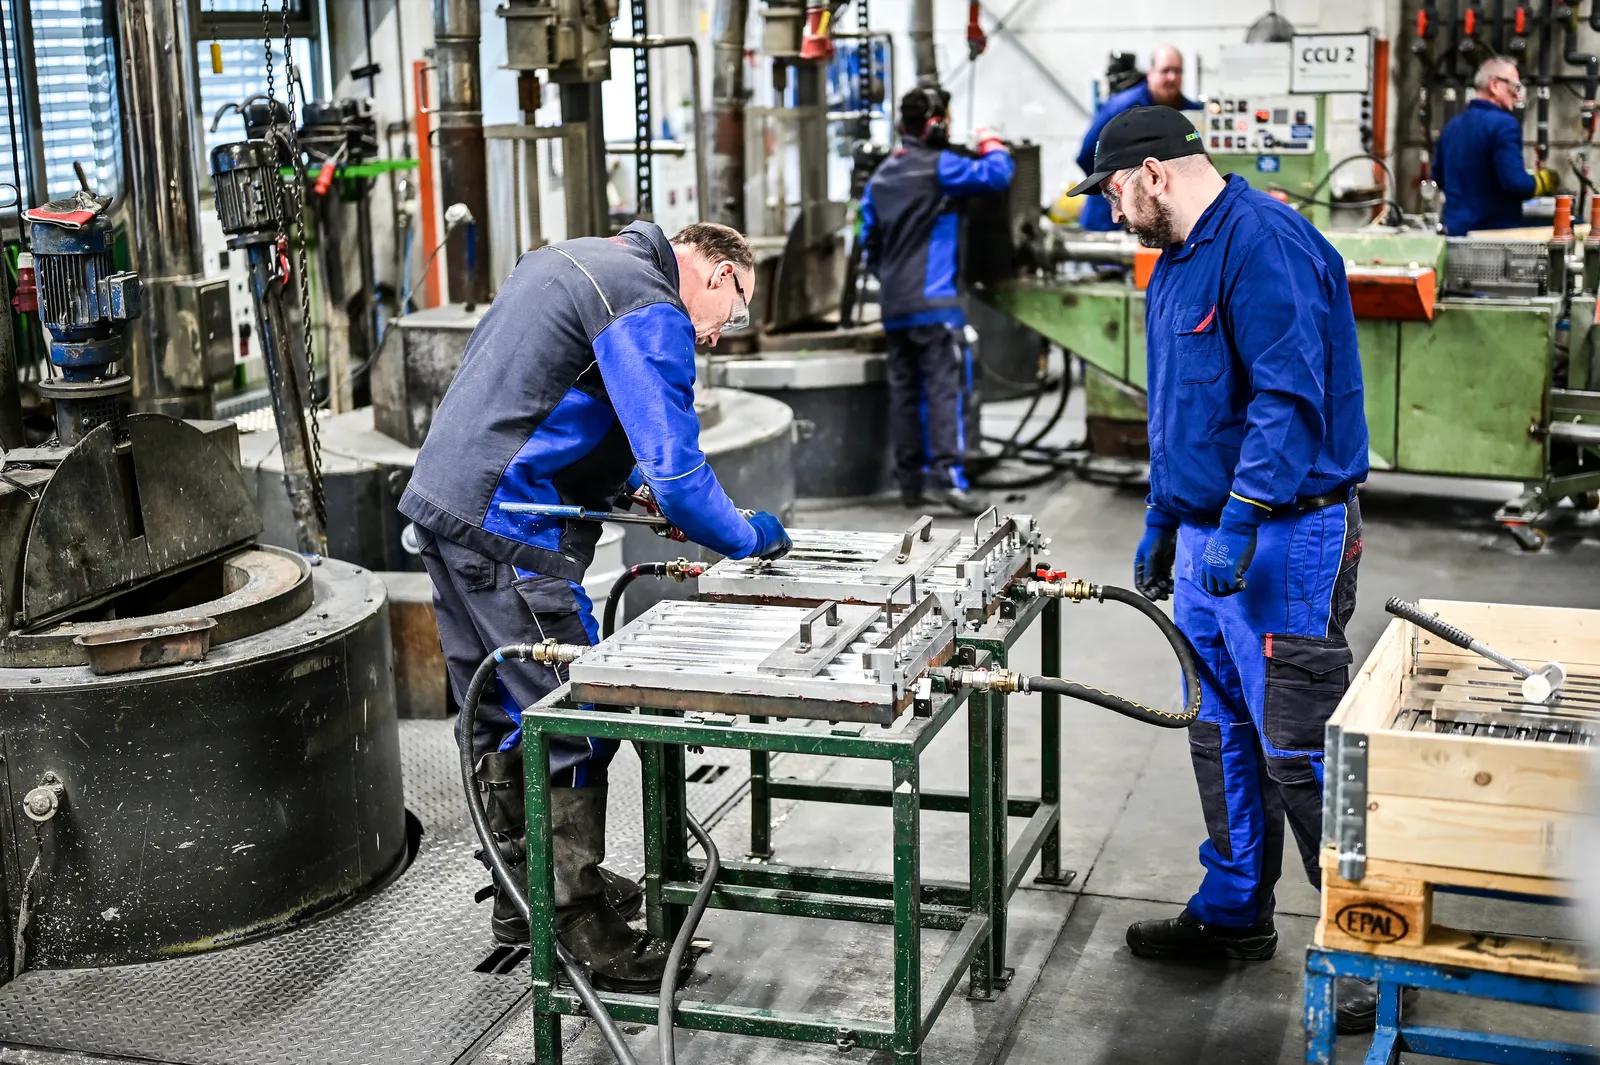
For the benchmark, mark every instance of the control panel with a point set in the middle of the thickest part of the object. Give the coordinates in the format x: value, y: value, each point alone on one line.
x: 1276, y: 125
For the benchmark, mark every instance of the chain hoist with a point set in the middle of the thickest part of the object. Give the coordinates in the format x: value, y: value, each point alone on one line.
x: 294, y: 191
x: 644, y: 175
x: 864, y: 67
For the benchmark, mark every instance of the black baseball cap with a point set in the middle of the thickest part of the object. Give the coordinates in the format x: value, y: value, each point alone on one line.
x: 1140, y: 133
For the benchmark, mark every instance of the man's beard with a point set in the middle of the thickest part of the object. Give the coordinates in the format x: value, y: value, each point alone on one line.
x: 1157, y: 233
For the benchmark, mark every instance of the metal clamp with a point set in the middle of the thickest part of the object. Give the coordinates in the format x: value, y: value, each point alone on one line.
x: 829, y: 611
x: 1345, y: 811
x: 922, y: 526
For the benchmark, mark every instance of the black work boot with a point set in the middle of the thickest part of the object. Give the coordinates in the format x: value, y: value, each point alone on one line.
x: 1183, y: 937
x: 499, y: 778
x: 960, y: 500
x: 616, y: 957
x: 1356, y: 1004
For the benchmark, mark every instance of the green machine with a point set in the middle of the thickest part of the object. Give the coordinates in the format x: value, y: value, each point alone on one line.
x: 1497, y: 379
x: 1273, y: 141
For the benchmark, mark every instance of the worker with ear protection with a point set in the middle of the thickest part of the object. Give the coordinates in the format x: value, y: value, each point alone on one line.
x: 577, y: 383
x: 911, y: 229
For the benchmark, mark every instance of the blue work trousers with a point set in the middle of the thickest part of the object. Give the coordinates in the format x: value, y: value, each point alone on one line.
x: 930, y: 381
x: 1274, y: 664
x: 482, y: 604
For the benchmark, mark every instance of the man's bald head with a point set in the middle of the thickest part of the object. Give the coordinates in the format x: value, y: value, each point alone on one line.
x: 1165, y: 76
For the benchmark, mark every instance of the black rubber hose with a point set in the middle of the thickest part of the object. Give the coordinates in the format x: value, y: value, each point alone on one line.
x: 1124, y: 706
x: 507, y: 881
x: 503, y: 876
x: 608, y: 623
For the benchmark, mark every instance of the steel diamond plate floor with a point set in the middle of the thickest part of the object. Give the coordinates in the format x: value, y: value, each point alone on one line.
x: 392, y: 980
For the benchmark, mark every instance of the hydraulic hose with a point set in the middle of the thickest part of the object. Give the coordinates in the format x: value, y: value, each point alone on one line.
x: 507, y: 881
x: 1120, y: 704
x: 608, y: 623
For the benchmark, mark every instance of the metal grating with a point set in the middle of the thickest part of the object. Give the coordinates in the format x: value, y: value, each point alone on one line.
x: 391, y: 980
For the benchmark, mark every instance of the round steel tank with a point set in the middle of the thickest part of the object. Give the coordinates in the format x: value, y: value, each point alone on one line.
x: 748, y: 440
x: 836, y: 384
x: 189, y: 807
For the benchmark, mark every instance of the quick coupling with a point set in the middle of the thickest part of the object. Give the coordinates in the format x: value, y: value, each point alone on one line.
x: 998, y: 681
x: 681, y: 569
x: 1056, y: 586
x: 551, y: 653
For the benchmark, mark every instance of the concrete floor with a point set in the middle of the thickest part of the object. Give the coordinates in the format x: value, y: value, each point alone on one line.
x: 1131, y: 826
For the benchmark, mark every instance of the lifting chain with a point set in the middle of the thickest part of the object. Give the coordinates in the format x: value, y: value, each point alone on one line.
x: 644, y: 177
x: 295, y: 189
x: 864, y: 68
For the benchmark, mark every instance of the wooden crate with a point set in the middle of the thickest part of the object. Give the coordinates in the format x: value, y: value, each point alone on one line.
x: 1430, y: 809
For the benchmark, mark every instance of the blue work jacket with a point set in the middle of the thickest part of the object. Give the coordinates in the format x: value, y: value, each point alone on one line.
x: 1254, y: 373
x: 578, y: 380
x: 1096, y: 214
x: 911, y: 228
x: 1478, y: 164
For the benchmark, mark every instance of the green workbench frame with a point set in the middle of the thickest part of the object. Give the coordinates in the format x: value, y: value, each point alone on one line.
x: 976, y: 911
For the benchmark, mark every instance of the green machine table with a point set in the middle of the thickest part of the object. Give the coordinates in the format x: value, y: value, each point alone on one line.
x: 975, y: 910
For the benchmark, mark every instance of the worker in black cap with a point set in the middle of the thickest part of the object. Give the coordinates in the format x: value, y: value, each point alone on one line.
x: 1258, y: 440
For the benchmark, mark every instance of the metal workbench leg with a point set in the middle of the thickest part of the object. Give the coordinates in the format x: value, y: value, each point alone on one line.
x: 1050, y: 743
x: 1320, y: 1016
x: 980, y: 833
x: 1386, y: 1042
x: 541, y: 896
x: 675, y: 832
x: 907, y: 910
x: 760, y: 802
x: 652, y: 801
x: 999, y: 837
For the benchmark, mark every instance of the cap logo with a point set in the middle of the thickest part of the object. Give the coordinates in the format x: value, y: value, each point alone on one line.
x: 1192, y: 137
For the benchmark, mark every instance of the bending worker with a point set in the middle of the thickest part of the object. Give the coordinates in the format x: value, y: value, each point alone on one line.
x: 1162, y: 84
x: 1258, y: 440
x: 1478, y: 161
x: 910, y: 226
x: 579, y: 378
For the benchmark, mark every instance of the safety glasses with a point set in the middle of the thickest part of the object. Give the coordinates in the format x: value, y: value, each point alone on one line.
x: 739, y: 315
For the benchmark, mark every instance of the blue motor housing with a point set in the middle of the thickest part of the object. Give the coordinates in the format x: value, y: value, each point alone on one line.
x: 85, y: 302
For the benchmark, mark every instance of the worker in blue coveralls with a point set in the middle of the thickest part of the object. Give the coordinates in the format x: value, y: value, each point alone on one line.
x: 578, y: 381
x: 1162, y: 84
x: 911, y: 229
x: 1258, y: 441
x: 1478, y: 160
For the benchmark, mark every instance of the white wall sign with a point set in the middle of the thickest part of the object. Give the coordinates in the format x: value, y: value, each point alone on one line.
x: 1246, y: 69
x: 1331, y: 62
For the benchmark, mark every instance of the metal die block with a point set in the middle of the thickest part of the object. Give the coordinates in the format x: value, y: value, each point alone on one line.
x: 861, y: 663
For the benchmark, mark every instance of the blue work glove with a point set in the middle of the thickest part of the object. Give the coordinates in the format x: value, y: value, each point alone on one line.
x: 1230, y: 549
x: 1152, y: 562
x: 771, y: 539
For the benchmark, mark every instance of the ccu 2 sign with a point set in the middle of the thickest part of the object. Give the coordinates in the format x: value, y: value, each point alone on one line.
x: 1330, y: 62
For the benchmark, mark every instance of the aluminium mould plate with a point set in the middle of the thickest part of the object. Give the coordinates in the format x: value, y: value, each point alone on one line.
x: 967, y: 571
x: 837, y: 662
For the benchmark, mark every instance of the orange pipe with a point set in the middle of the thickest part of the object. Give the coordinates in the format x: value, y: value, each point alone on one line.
x: 426, y: 207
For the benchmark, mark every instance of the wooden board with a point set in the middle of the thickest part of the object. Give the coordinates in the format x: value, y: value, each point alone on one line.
x: 1471, y: 835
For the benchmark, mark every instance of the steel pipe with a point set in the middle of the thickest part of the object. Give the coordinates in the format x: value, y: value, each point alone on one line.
x: 701, y: 181
x: 155, y: 52
x: 727, y: 204
x: 463, y: 158
x: 926, y: 61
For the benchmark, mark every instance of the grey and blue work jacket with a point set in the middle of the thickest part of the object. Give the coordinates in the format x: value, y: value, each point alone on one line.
x: 911, y: 228
x: 582, y: 368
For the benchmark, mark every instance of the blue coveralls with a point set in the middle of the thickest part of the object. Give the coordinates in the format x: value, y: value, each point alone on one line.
x: 911, y: 228
x: 578, y: 381
x: 1478, y: 164
x: 1096, y: 213
x: 1255, y: 396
